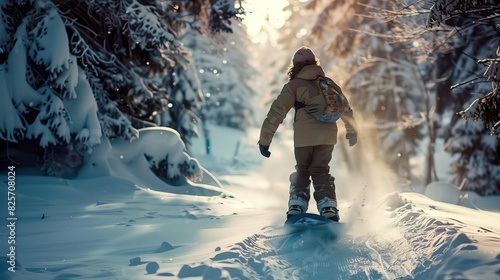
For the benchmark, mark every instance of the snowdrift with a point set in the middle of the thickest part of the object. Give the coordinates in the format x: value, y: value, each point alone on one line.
x: 112, y: 228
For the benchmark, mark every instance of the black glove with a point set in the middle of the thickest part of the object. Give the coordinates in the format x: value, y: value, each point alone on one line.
x: 264, y: 150
x: 352, y: 137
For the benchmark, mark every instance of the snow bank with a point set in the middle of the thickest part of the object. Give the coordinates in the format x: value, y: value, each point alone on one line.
x: 443, y: 191
x: 161, y: 148
x: 156, y: 160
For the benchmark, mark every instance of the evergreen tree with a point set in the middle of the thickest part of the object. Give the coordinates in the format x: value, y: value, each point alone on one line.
x: 460, y: 37
x: 222, y: 63
x: 76, y: 70
x: 478, y: 161
x: 467, y: 19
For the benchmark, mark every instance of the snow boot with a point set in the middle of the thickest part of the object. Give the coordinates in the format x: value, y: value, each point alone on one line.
x: 299, y: 196
x: 330, y: 213
x: 294, y: 210
x: 327, y: 208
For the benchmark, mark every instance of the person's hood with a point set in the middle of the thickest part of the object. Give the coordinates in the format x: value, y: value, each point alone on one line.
x: 310, y: 72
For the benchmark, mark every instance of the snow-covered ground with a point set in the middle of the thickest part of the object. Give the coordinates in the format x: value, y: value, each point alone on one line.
x: 116, y: 227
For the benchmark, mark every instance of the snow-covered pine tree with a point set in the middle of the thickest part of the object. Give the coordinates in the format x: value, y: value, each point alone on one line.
x: 459, y: 37
x: 476, y: 168
x: 224, y: 71
x: 74, y: 70
x: 466, y: 18
x: 44, y: 86
x: 471, y: 34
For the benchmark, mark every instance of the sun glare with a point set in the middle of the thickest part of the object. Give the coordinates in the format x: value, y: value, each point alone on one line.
x: 263, y: 18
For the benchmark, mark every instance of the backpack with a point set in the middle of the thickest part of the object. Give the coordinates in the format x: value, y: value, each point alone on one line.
x: 334, y: 105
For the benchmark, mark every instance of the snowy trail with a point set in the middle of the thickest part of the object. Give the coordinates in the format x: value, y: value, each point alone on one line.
x: 222, y: 237
x: 412, y: 245
x: 413, y: 238
x: 279, y: 253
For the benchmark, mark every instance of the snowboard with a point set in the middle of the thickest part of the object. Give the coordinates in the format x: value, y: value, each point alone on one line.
x: 308, y: 220
x: 311, y: 228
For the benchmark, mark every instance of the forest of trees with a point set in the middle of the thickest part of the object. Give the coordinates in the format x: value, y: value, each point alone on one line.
x: 415, y: 71
x: 74, y: 71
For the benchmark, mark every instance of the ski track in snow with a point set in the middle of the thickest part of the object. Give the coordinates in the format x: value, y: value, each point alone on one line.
x: 412, y: 245
x: 278, y: 254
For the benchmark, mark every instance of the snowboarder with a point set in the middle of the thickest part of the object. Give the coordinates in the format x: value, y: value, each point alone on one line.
x: 313, y: 140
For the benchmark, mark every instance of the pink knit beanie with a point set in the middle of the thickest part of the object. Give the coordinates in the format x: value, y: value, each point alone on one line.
x: 303, y: 54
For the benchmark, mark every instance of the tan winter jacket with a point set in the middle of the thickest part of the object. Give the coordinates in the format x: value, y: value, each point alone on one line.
x: 307, y: 130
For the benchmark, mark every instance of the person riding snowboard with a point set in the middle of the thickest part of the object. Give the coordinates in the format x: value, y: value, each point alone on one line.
x: 313, y: 139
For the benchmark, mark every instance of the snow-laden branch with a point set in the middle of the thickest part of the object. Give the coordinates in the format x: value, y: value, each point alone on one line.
x: 447, y: 10
x: 11, y: 124
x: 145, y: 28
x: 50, y: 46
x: 487, y: 108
